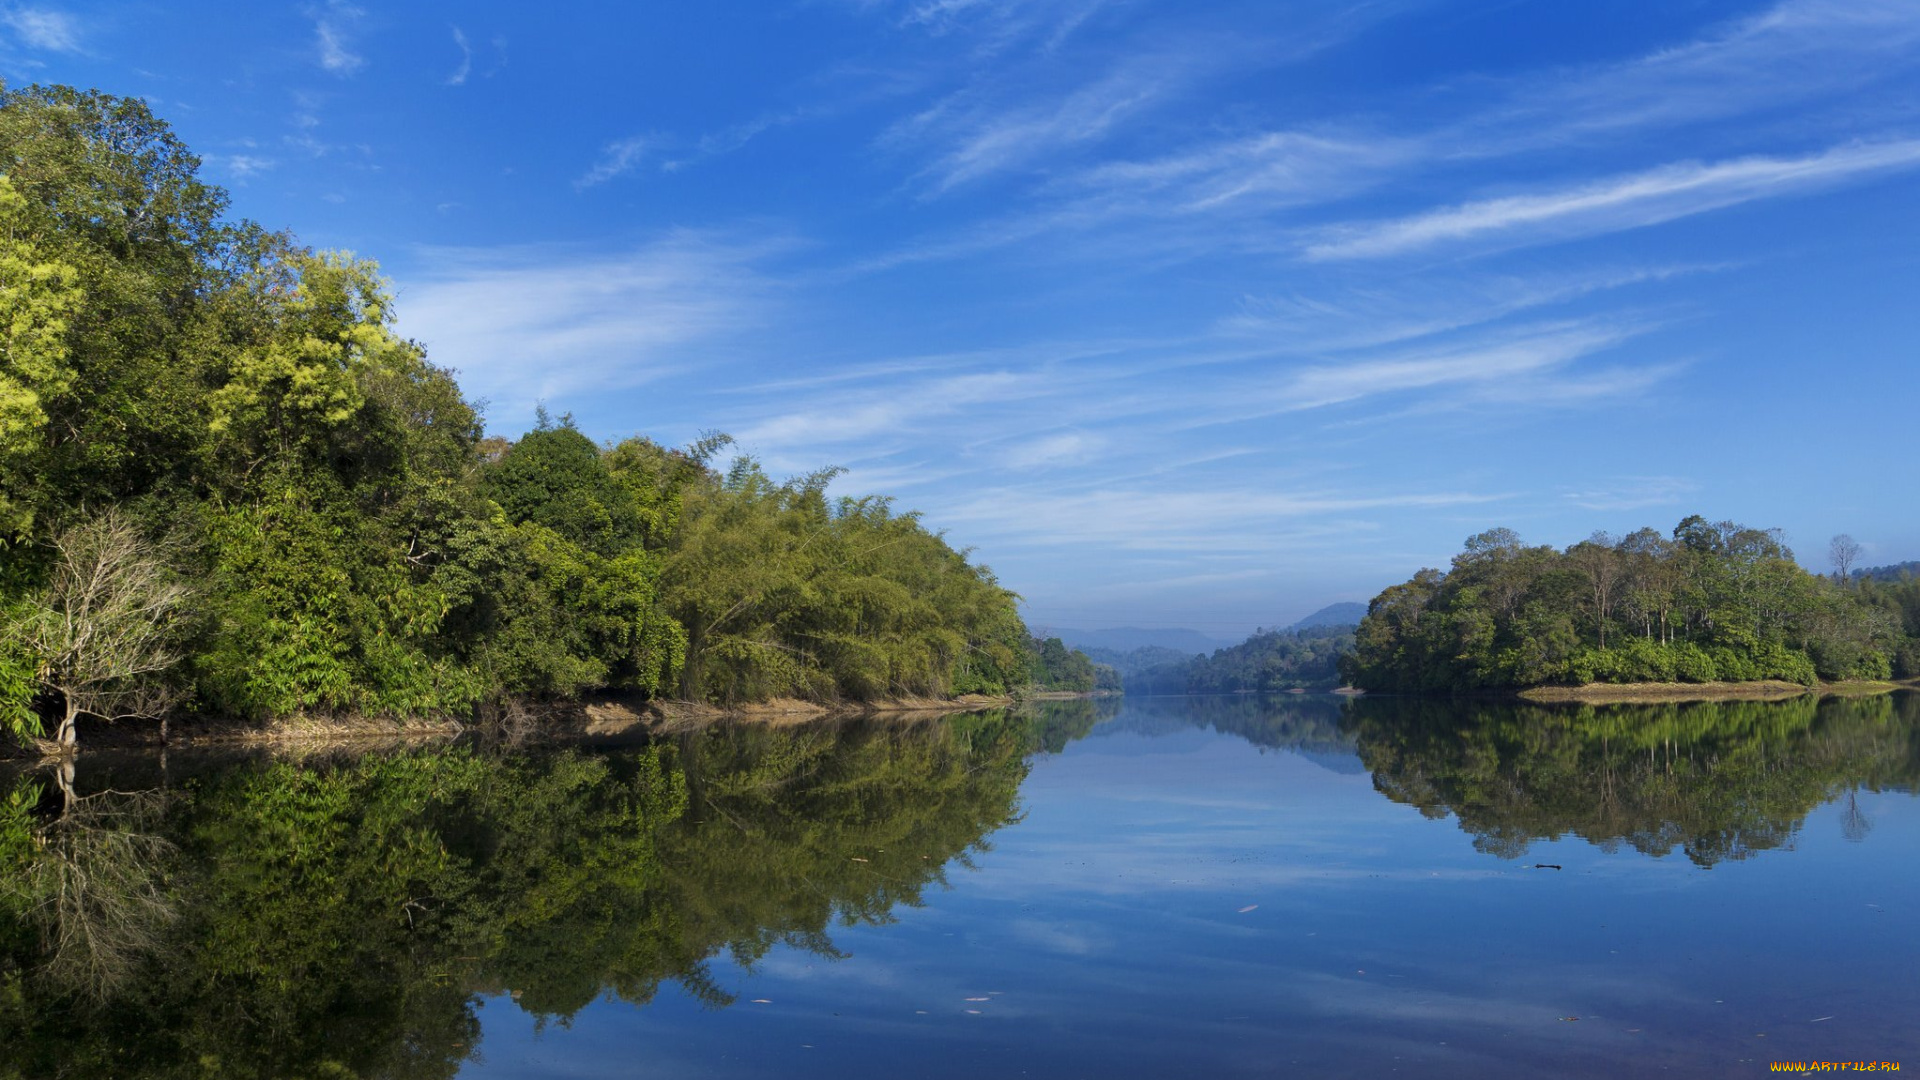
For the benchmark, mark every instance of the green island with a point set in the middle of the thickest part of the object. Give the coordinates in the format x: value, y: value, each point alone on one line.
x: 228, y: 488
x: 1713, y: 607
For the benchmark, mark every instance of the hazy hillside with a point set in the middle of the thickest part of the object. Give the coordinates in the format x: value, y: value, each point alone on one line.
x: 1131, y: 662
x: 1271, y: 661
x: 1345, y: 614
x: 1128, y: 638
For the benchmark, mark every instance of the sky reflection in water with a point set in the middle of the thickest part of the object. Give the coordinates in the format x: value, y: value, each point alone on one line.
x: 1179, y: 900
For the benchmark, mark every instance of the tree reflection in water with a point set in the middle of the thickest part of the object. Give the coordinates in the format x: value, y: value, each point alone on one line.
x: 343, y: 917
x: 1715, y: 780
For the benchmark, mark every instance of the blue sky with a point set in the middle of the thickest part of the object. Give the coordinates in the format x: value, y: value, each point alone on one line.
x: 1181, y: 314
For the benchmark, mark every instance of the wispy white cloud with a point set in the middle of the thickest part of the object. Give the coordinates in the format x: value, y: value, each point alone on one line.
x: 729, y: 139
x: 617, y: 159
x: 333, y: 27
x: 459, y: 76
x: 843, y: 419
x: 1553, y: 389
x: 1383, y: 314
x: 979, y: 138
x: 1026, y: 102
x: 1258, y: 191
x: 1217, y: 521
x: 1796, y: 50
x: 996, y: 26
x: 43, y: 28
x: 1535, y: 350
x: 943, y: 15
x: 1633, y: 493
x: 1622, y: 202
x: 1054, y: 451
x: 1270, y: 168
x: 243, y: 166
x: 526, y: 325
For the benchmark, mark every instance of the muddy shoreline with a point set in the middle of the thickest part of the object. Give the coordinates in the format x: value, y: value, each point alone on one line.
x: 1663, y: 693
x: 604, y: 716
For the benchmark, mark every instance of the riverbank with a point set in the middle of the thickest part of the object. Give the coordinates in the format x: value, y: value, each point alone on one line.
x: 601, y: 716
x: 1659, y: 693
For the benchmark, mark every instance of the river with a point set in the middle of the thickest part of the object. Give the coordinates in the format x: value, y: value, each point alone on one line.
x: 1147, y: 887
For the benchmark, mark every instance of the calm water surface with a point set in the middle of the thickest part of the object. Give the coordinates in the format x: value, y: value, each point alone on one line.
x: 1160, y: 887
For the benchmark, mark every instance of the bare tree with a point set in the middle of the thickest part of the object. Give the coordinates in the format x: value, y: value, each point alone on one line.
x: 1844, y: 552
x: 1601, y: 563
x: 100, y: 629
x: 1854, y: 824
x: 95, y: 886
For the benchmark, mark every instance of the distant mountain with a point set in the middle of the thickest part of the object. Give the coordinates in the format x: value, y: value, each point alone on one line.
x: 1269, y: 662
x: 1333, y: 615
x: 1889, y: 573
x: 1129, y: 638
x: 1130, y: 662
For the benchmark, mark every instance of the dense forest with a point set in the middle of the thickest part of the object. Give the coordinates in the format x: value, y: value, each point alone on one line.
x: 1269, y: 661
x: 1709, y: 602
x: 1055, y: 667
x: 227, y: 485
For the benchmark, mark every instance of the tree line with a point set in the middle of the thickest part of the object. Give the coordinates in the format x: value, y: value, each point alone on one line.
x: 1712, y: 601
x: 1268, y: 662
x: 227, y: 485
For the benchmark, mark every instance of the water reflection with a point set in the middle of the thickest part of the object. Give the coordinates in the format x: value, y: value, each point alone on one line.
x: 347, y: 916
x: 1714, y: 780
x: 342, y: 917
x: 1313, y: 726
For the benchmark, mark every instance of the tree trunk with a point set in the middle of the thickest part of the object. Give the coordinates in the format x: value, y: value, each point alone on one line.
x: 63, y: 777
x: 69, y: 734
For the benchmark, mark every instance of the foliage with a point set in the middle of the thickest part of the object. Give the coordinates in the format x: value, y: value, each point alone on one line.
x: 1269, y: 661
x: 354, y: 543
x: 1057, y: 668
x: 783, y: 592
x: 37, y: 297
x: 1712, y: 602
x: 19, y: 675
x: 1897, y: 598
